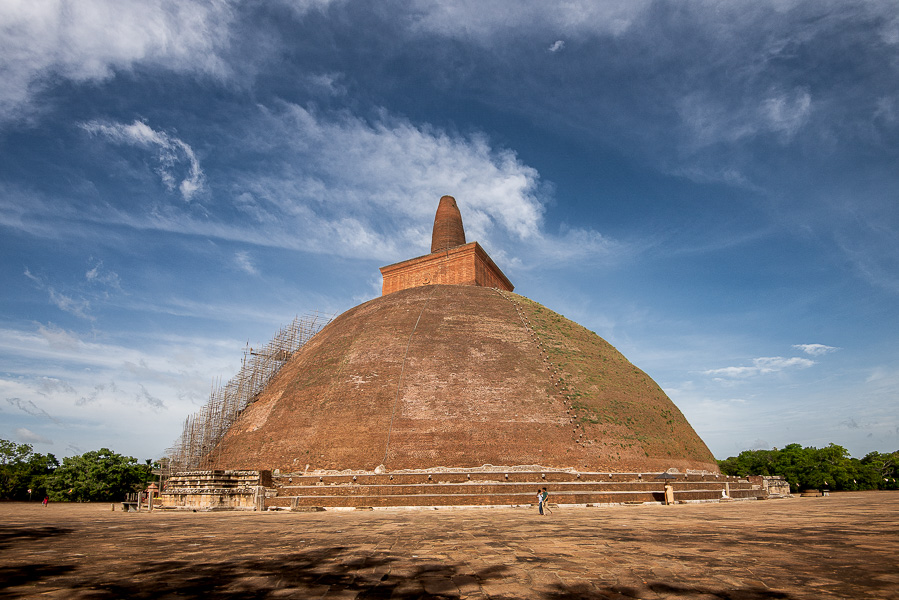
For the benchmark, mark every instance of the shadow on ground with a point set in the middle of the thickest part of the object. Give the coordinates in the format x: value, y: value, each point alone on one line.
x: 314, y: 573
x: 10, y: 536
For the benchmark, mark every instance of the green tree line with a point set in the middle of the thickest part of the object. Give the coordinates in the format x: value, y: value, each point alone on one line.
x: 99, y: 475
x: 816, y: 468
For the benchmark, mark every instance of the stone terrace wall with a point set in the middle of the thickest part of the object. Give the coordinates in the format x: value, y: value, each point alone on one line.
x: 218, y: 489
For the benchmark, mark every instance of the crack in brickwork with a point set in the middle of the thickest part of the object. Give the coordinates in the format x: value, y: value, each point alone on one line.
x: 399, y: 383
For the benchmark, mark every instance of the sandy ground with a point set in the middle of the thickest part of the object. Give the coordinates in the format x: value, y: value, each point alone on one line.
x: 842, y: 546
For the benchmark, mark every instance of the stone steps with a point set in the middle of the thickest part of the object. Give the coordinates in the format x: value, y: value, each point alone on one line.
x: 490, y: 488
x: 508, y: 499
x: 535, y: 477
x: 495, y: 489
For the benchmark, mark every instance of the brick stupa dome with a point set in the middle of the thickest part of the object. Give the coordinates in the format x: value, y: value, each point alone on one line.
x: 460, y: 376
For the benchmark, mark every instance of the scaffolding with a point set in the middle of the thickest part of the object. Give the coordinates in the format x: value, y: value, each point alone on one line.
x: 200, y: 441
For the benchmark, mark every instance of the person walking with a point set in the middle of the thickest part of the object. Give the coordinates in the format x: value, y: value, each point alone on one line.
x: 46, y: 501
x: 543, y: 496
x: 539, y: 501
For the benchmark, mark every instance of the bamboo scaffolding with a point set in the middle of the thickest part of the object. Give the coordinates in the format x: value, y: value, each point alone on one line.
x: 201, y: 438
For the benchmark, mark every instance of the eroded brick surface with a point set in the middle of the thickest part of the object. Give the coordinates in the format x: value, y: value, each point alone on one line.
x: 453, y: 376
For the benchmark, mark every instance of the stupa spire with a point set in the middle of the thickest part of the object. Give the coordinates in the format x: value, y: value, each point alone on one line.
x: 452, y: 261
x: 448, y: 230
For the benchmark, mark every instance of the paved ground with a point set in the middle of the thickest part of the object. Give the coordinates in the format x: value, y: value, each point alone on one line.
x: 843, y: 546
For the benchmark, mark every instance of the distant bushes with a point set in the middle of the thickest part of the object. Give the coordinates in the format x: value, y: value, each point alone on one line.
x: 815, y: 468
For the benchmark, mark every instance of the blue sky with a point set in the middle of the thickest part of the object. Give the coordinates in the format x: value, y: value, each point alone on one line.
x: 710, y: 186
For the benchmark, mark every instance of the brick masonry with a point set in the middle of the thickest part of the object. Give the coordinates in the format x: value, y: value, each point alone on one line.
x: 448, y: 375
x: 451, y: 261
x: 463, y: 265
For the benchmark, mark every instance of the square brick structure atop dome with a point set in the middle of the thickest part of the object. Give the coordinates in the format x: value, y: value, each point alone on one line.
x: 451, y: 261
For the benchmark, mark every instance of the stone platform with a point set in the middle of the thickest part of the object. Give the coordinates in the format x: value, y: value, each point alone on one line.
x: 514, y: 487
x: 836, y: 547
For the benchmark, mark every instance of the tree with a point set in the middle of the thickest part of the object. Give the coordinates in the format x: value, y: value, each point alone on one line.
x: 22, y: 469
x: 815, y: 468
x: 98, y: 475
x: 882, y: 469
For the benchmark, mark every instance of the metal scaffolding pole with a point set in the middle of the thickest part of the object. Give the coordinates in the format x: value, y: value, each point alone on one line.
x: 201, y: 439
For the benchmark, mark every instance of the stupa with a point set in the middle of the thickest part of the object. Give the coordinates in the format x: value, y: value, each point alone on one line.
x: 449, y: 368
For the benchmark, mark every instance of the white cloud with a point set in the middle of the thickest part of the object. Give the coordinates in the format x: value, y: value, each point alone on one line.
x: 88, y: 40
x: 33, y: 277
x: 107, y: 280
x: 301, y: 7
x: 709, y: 118
x: 761, y: 366
x: 339, y: 184
x: 786, y: 113
x: 75, y: 306
x: 79, y: 307
x: 173, y: 154
x: 815, y: 349
x: 557, y: 46
x: 27, y: 436
x: 483, y: 22
x: 57, y: 337
x: 245, y: 263
x: 93, y: 392
x: 363, y: 188
x: 327, y: 83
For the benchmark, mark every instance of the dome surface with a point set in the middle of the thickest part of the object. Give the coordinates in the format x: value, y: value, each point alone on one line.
x: 460, y: 376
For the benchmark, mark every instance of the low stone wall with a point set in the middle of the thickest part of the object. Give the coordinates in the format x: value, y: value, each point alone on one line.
x: 775, y: 485
x: 260, y: 490
x: 217, y: 490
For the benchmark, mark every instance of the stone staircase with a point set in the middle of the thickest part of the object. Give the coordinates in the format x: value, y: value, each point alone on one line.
x: 492, y: 488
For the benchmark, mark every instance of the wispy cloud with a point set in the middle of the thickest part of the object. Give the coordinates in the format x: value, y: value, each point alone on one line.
x: 75, y: 306
x: 29, y: 437
x: 245, y: 263
x: 98, y: 284
x: 57, y: 337
x: 710, y: 119
x: 90, y: 40
x: 48, y: 386
x: 329, y: 84
x: 557, y: 46
x: 353, y: 187
x: 850, y: 423
x: 178, y: 167
x: 90, y: 389
x: 761, y: 366
x: 79, y: 307
x: 815, y: 349
x: 30, y: 408
x: 145, y: 397
x: 484, y: 23
x: 97, y: 274
x: 110, y: 390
